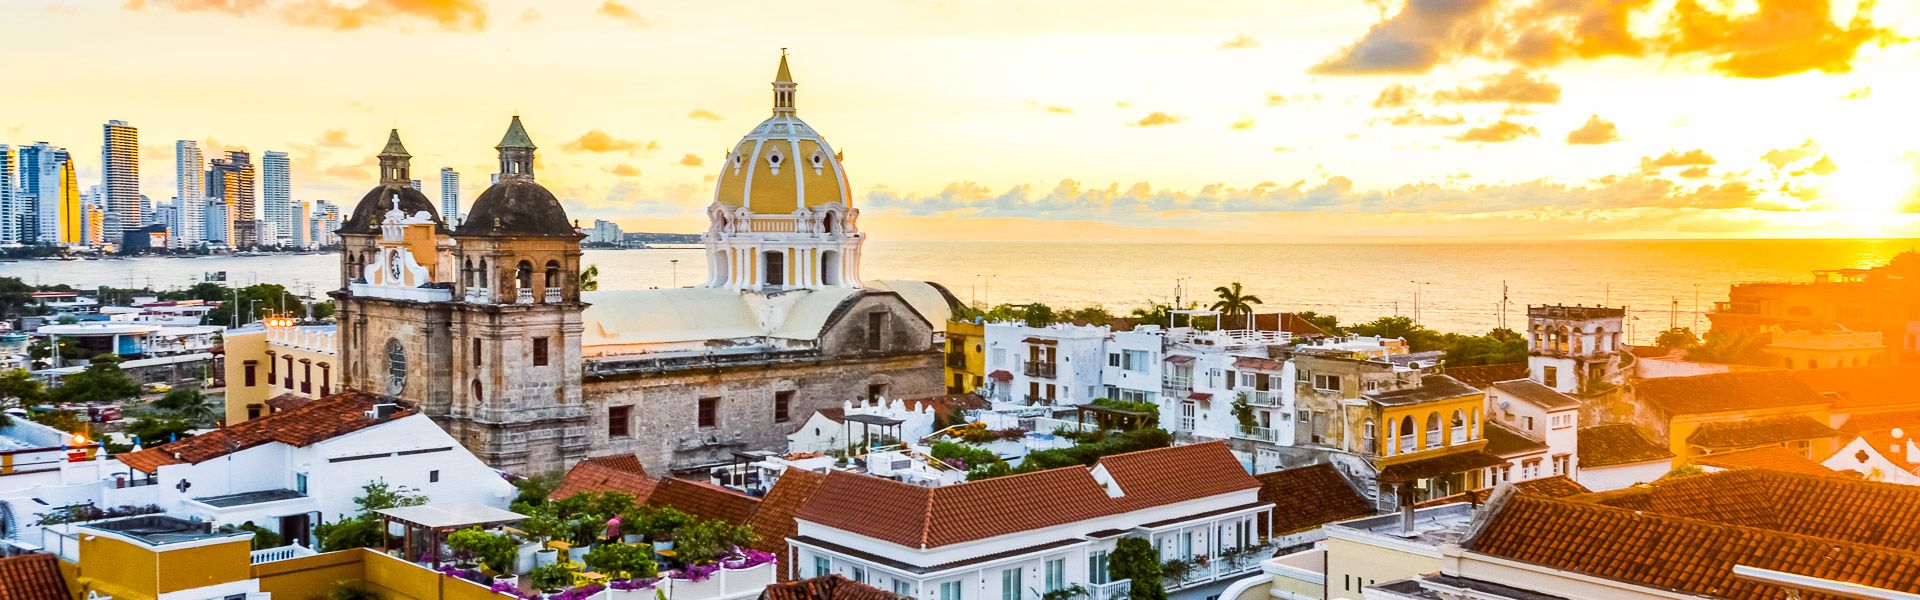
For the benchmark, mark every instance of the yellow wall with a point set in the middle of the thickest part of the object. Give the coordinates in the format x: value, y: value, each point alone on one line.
x: 1682, y: 426
x: 389, y: 577
x: 1354, y: 565
x: 131, y: 571
x: 969, y: 339
x: 253, y: 346
x: 303, y: 577
x: 1471, y: 406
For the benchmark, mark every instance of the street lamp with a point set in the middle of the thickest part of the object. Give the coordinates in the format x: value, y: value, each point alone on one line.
x: 676, y: 272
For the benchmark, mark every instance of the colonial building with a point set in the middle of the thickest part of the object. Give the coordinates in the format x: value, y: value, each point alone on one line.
x: 486, y: 328
x: 1822, y: 324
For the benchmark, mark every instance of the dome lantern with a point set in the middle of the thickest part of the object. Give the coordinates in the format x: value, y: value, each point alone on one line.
x: 516, y: 152
x: 783, y: 87
x: 394, y: 161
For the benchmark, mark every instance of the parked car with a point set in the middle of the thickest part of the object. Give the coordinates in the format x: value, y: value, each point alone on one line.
x: 156, y: 388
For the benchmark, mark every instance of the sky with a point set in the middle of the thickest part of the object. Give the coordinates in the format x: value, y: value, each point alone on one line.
x: 1224, y: 120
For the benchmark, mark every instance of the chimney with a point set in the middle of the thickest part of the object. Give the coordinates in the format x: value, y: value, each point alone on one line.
x: 1406, y: 507
x: 1913, y: 452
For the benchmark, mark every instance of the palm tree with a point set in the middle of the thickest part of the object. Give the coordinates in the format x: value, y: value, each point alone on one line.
x: 191, y: 405
x: 590, y: 279
x: 1233, y: 301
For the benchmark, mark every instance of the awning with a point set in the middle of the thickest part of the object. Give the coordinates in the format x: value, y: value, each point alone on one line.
x: 1259, y: 364
x: 1445, y: 464
x: 1179, y: 359
x: 1000, y: 375
x: 1040, y: 340
x: 1758, y: 432
x: 454, y: 515
x: 1201, y: 396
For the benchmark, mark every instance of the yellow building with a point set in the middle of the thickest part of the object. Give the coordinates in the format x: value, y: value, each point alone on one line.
x: 966, y: 356
x: 1428, y: 438
x: 1723, y: 412
x: 275, y: 359
x: 1360, y: 553
x: 69, y: 219
x: 144, y: 557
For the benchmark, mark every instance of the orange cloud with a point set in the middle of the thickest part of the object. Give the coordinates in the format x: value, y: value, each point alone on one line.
x: 1782, y: 37
x: 1240, y: 42
x: 451, y: 15
x: 600, y: 141
x: 1156, y: 119
x: 334, y: 138
x: 1243, y: 124
x: 1594, y: 132
x: 1500, y: 131
x: 1690, y: 158
x: 1516, y: 87
x: 1549, y: 33
x: 1398, y: 94
x: 1423, y: 34
x: 622, y: 12
x: 704, y: 114
x: 1414, y: 118
x: 691, y: 160
x: 624, y: 170
x: 1694, y: 172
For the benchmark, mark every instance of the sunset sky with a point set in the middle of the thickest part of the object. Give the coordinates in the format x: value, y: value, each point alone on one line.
x: 1222, y: 120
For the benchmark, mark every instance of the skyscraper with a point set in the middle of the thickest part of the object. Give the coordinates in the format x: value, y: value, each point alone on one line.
x: 189, y: 194
x: 11, y: 214
x: 216, y: 225
x: 449, y: 195
x: 276, y: 201
x: 231, y: 179
x: 120, y: 175
x: 326, y: 218
x: 298, y: 236
x: 49, y: 194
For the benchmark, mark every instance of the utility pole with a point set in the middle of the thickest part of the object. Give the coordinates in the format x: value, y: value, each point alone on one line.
x: 1503, y: 304
x: 676, y: 272
x: 1416, y: 298
x: 1673, y: 314
x: 1696, y: 309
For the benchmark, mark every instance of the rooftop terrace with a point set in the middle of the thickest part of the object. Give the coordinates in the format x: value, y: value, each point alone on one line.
x: 161, y: 530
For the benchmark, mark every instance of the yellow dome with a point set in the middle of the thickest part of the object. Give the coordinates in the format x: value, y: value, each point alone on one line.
x: 783, y: 164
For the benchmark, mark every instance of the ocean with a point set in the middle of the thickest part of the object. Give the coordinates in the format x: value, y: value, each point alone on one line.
x: 1449, y: 286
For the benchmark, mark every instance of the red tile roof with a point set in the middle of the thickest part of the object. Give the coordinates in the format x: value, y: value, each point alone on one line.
x: 288, y: 401
x: 1725, y: 392
x: 318, y: 421
x: 1557, y: 486
x: 1618, y: 444
x: 1506, y: 442
x: 616, y: 473
x: 1673, y: 553
x: 704, y: 500
x: 1744, y: 433
x: 1000, y: 375
x: 1774, y: 458
x: 1484, y: 376
x: 773, y: 522
x: 1307, y: 497
x: 32, y: 577
x: 1857, y: 388
x: 831, y: 587
x: 1835, y: 508
x: 918, y: 517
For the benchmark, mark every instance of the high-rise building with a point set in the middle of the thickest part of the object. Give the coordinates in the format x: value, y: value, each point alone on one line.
x: 120, y: 174
x: 189, y: 189
x: 232, y: 180
x: 326, y: 218
x: 215, y: 225
x: 302, y: 226
x: 276, y: 201
x: 11, y: 215
x: 50, y: 195
x: 167, y: 214
x: 449, y: 195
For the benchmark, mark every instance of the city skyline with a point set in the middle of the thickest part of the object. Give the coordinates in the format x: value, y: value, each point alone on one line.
x: 1237, y: 122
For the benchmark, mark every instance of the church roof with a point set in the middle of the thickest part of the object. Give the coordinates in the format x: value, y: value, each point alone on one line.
x: 516, y: 136
x: 374, y: 206
x: 393, y: 145
x: 517, y: 208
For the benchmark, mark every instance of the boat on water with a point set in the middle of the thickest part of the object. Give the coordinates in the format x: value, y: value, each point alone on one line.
x: 13, y: 338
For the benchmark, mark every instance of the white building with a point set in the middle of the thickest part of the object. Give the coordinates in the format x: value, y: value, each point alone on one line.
x: 829, y: 429
x: 1060, y: 364
x: 449, y: 195
x: 215, y: 225
x: 1545, y: 420
x: 605, y: 232
x: 1617, y: 455
x: 325, y: 220
x: 276, y: 198
x: 1573, y: 348
x: 300, y: 236
x: 1207, y: 371
x: 1022, y: 536
x: 189, y: 187
x: 1134, y: 365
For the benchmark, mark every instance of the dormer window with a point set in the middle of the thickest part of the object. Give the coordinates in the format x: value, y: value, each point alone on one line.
x: 773, y: 160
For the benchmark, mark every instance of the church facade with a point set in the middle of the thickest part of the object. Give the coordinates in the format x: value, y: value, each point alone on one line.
x: 485, y: 326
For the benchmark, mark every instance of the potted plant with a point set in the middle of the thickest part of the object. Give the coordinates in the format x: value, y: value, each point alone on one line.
x: 623, y: 561
x: 467, y: 544
x: 697, y: 581
x: 634, y: 589
x: 550, y: 578
x: 540, y: 528
x: 582, y: 531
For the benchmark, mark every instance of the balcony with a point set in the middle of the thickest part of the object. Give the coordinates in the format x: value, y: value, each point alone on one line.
x: 1258, y: 434
x: 957, y: 361
x: 1261, y: 398
x: 523, y: 296
x: 1039, y: 369
x: 1113, y: 590
x: 553, y: 295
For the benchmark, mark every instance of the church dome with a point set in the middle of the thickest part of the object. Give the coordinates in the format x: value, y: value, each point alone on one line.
x: 783, y: 165
x: 516, y: 205
x: 394, y: 185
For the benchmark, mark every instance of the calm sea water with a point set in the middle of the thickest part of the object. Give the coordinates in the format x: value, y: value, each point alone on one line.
x: 1458, y: 285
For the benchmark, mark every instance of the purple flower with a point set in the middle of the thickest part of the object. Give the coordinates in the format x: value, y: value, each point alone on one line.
x: 697, y: 572
x: 580, y: 593
x: 628, y: 585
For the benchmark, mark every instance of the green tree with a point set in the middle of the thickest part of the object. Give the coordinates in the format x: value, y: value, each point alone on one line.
x: 1678, y: 338
x: 18, y: 389
x: 623, y: 561
x: 322, y: 310
x: 203, y: 291
x: 114, y: 296
x: 263, y: 538
x: 1327, y: 323
x: 102, y: 381
x: 1092, y: 315
x: 39, y: 350
x: 254, y: 302
x: 1037, y: 315
x: 63, y: 420
x: 1154, y: 314
x: 1419, y: 338
x: 1233, y: 301
x: 363, y: 530
x: 190, y: 404
x: 16, y: 297
x: 590, y: 278
x: 1500, y: 346
x: 1734, y: 348
x: 1134, y: 559
x: 156, y: 430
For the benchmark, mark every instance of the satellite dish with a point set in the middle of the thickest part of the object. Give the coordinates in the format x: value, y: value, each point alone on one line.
x: 1503, y: 405
x: 1898, y: 433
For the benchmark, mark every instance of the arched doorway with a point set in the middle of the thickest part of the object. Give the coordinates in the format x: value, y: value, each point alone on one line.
x: 830, y: 267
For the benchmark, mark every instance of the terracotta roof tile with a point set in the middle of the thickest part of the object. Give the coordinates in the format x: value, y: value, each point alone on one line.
x: 288, y: 401
x: 918, y: 517
x: 773, y: 522
x: 1774, y: 458
x: 1753, y: 432
x: 1673, y: 553
x: 32, y: 577
x: 1721, y: 392
x: 1557, y: 486
x: 1507, y: 442
x: 1308, y: 497
x: 704, y: 500
x: 1536, y: 394
x: 1435, y: 466
x: 1618, y: 444
x: 616, y: 473
x: 1837, y: 508
x: 1856, y: 388
x: 831, y: 587
x: 318, y: 421
x: 1484, y: 376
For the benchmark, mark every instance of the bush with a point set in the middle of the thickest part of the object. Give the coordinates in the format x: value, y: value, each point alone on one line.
x: 494, y: 551
x: 1134, y: 559
x: 262, y: 538
x: 623, y: 561
x: 550, y: 577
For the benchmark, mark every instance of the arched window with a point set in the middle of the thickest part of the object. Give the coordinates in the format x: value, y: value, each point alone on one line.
x: 481, y: 275
x: 477, y: 397
x: 1368, y: 439
x: 396, y: 367
x: 826, y: 222
x: 1433, y: 431
x: 830, y: 267
x: 1407, y: 433
x: 466, y: 272
x: 1813, y: 364
x: 1459, y: 428
x: 553, y: 275
x: 523, y: 275
x: 1473, y: 425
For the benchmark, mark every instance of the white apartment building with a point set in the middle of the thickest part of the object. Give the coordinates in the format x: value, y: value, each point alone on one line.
x: 216, y: 226
x: 449, y: 195
x: 189, y: 187
x: 1022, y: 536
x: 1547, y: 423
x: 1207, y: 371
x: 276, y: 199
x: 1060, y: 364
x: 1135, y: 361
